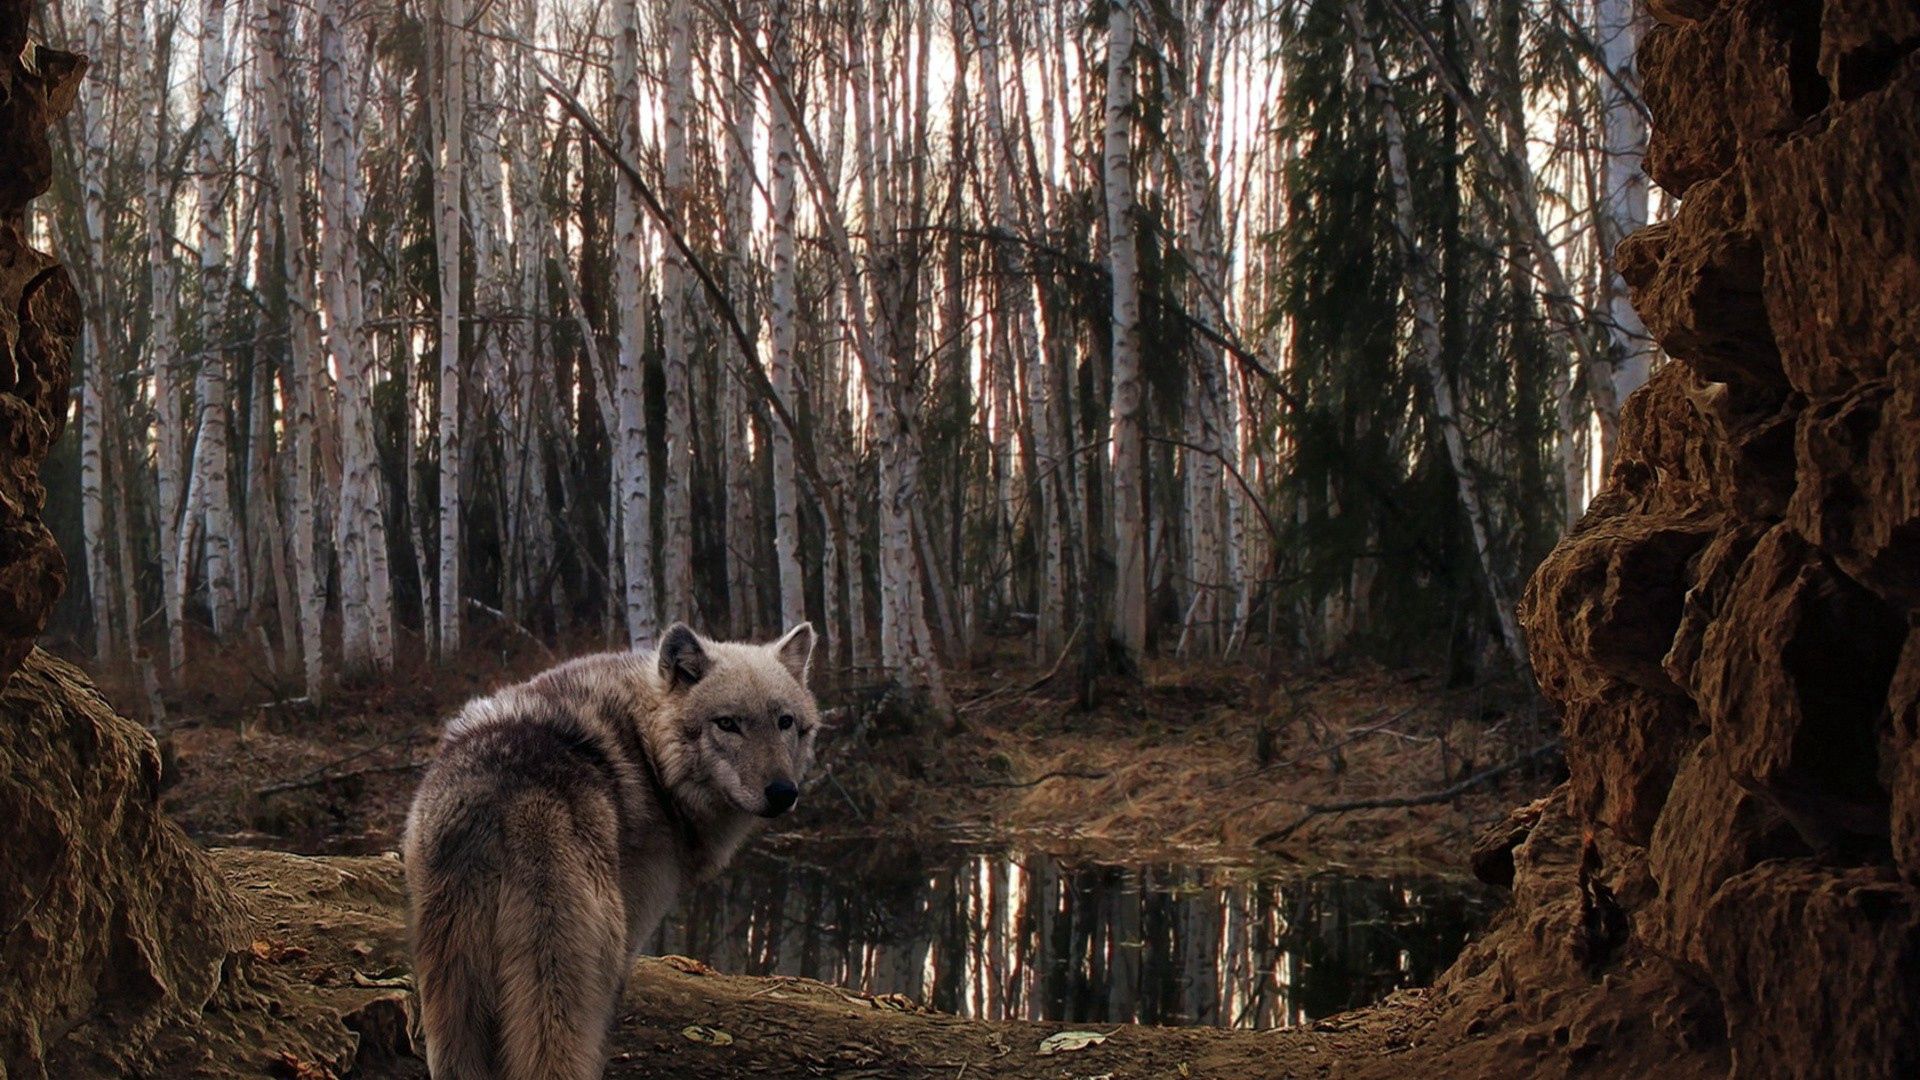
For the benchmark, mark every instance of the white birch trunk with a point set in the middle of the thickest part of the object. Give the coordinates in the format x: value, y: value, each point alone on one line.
x: 169, y: 440
x: 1207, y: 458
x: 899, y: 586
x: 1129, y: 614
x: 783, y: 317
x: 630, y: 437
x: 361, y: 530
x: 742, y: 170
x: 1018, y: 308
x: 676, y: 511
x: 303, y: 353
x: 1625, y: 195
x: 96, y: 388
x: 448, y: 187
x: 212, y: 498
x: 533, y: 395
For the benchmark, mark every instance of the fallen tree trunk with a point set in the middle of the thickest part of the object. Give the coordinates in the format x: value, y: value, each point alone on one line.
x: 1397, y: 802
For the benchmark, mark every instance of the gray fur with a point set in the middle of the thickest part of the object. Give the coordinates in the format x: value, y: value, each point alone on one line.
x: 558, y: 824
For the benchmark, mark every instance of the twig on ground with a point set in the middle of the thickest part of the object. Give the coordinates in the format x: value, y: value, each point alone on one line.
x: 1352, y: 737
x: 322, y: 781
x: 1065, y: 651
x: 1057, y: 774
x: 319, y: 774
x: 1394, y: 802
x: 1059, y: 661
x: 851, y: 805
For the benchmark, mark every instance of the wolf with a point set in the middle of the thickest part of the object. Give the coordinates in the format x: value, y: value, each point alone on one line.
x: 558, y: 823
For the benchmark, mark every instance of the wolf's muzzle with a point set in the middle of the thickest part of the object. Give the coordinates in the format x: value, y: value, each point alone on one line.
x: 781, y: 795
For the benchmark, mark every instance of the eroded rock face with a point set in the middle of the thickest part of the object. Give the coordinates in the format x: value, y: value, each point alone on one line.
x: 1729, y: 631
x: 39, y: 316
x: 113, y: 927
x: 118, y: 925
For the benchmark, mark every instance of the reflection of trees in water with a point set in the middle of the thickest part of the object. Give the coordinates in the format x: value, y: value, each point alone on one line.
x: 986, y: 935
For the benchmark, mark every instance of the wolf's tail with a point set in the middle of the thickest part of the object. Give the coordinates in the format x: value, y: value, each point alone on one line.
x: 453, y: 973
x: 560, y: 951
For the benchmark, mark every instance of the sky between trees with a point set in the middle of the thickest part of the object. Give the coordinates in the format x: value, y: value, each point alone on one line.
x: 1112, y: 327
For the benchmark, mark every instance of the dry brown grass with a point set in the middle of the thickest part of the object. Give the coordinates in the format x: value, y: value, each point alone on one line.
x: 1175, y: 766
x: 1198, y: 762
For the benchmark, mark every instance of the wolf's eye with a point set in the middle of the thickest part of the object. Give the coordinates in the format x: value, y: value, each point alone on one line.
x: 727, y: 724
x: 785, y: 722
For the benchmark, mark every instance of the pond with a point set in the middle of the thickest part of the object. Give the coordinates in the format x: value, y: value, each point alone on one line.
x: 1000, y: 935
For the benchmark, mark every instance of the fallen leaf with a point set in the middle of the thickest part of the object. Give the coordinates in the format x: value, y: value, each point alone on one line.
x: 1065, y: 1042
x: 302, y: 1070
x: 711, y: 1036
x: 275, y: 953
x: 386, y: 980
x: 686, y: 965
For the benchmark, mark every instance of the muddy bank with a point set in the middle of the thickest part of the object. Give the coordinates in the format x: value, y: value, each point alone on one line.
x: 328, y: 951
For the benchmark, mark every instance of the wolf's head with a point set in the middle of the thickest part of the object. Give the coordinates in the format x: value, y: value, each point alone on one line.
x: 745, y: 712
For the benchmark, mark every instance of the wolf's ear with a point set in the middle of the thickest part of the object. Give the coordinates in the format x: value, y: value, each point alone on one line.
x: 795, y: 650
x: 683, y: 659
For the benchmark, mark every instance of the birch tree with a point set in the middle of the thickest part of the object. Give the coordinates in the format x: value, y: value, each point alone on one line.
x: 211, y: 501
x: 676, y: 526
x: 782, y: 315
x: 1624, y: 197
x: 1207, y: 435
x: 1016, y: 291
x: 303, y: 352
x: 631, y: 474
x: 361, y: 533
x: 1129, y: 603
x: 740, y: 165
x: 96, y: 388
x: 163, y: 343
x: 448, y: 187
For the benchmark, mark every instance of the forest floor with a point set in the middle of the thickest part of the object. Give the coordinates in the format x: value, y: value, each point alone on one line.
x: 1195, y: 764
x: 1198, y: 763
x: 332, y: 944
x: 324, y: 993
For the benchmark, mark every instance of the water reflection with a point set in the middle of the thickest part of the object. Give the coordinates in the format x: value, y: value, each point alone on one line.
x: 995, y: 935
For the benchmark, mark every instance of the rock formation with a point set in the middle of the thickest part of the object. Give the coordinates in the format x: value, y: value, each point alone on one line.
x: 1728, y: 631
x: 39, y: 316
x: 112, y: 925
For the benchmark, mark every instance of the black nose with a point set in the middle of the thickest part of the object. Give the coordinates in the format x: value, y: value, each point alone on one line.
x: 781, y: 795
